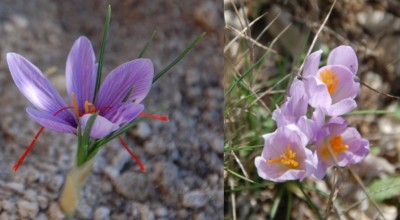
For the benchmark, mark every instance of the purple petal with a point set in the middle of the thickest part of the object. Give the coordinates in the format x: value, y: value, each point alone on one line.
x: 342, y: 107
x: 312, y: 64
x: 347, y: 87
x: 35, y: 87
x: 51, y: 122
x: 317, y: 92
x: 81, y: 72
x: 344, y: 55
x: 137, y: 74
x: 126, y: 112
x: 101, y: 126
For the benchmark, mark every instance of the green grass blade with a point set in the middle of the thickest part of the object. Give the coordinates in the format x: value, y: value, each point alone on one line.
x: 180, y: 57
x: 101, y: 57
x: 248, y: 71
x: 277, y: 201
x: 148, y: 44
x: 83, y: 151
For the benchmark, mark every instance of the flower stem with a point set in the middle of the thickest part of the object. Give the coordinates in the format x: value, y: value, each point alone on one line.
x: 70, y: 195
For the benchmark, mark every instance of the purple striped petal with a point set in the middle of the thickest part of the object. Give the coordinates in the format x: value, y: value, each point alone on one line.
x: 81, y: 72
x: 311, y: 65
x: 101, y: 126
x: 137, y: 74
x: 344, y: 55
x: 126, y: 112
x: 51, y: 122
x: 36, y: 87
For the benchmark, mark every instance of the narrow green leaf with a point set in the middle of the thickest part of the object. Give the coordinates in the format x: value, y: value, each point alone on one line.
x: 81, y: 149
x: 85, y: 139
x: 148, y: 44
x: 248, y: 71
x: 101, y: 57
x: 180, y: 57
x: 382, y: 189
x: 277, y: 201
x: 309, y: 201
x: 99, y: 143
x: 289, y: 205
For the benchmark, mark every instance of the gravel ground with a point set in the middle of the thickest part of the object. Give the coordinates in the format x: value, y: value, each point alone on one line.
x: 183, y: 157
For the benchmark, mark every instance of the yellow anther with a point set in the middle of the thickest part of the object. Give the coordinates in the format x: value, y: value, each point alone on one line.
x: 330, y: 79
x: 288, y: 159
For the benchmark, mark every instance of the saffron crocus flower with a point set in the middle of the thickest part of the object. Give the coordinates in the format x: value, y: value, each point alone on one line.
x: 339, y: 145
x: 332, y: 87
x: 285, y: 156
x: 116, y: 103
x: 54, y: 114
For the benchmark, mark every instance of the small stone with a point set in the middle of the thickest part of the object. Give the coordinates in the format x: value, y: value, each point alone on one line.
x: 55, y: 212
x: 106, y: 187
x: 161, y: 212
x: 8, y: 206
x: 28, y: 209
x: 111, y: 172
x: 208, y: 16
x: 120, y: 160
x: 217, y: 144
x: 143, y: 130
x: 30, y: 195
x: 43, y: 202
x: 55, y: 183
x: 20, y: 21
x: 42, y: 216
x: 194, y: 199
x: 16, y: 187
x: 102, y: 213
x: 84, y: 211
x: 32, y: 176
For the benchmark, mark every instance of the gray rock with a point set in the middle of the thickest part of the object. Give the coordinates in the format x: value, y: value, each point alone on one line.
x: 55, y: 212
x: 84, y: 211
x: 143, y: 130
x: 55, y: 183
x: 42, y: 216
x: 28, y: 209
x: 8, y: 206
x: 102, y: 213
x: 217, y: 144
x: 161, y: 212
x: 43, y: 202
x: 194, y: 199
x: 16, y: 187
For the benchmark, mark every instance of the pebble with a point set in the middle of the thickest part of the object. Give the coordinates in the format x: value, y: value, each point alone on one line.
x: 43, y: 202
x: 42, y: 216
x: 194, y: 199
x: 102, y: 213
x: 55, y: 212
x: 120, y: 160
x: 161, y: 212
x: 32, y: 176
x: 208, y: 16
x: 55, y: 183
x: 143, y: 130
x: 217, y: 144
x: 8, y: 206
x: 16, y: 187
x: 28, y: 209
x: 84, y: 211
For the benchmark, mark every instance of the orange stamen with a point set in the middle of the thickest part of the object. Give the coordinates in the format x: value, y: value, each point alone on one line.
x: 330, y: 79
x: 132, y: 154
x: 163, y: 118
x: 75, y: 104
x: 30, y: 147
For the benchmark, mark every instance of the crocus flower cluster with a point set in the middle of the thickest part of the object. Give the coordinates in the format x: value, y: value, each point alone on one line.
x: 311, y: 135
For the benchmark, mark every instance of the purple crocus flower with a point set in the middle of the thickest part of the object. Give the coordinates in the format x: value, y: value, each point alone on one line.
x: 285, y: 156
x: 54, y: 114
x: 343, y: 143
x: 116, y: 103
x: 294, y: 107
x: 332, y: 87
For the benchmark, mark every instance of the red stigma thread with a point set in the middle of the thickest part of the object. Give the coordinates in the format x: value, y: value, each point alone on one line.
x: 163, y: 118
x: 30, y: 147
x: 22, y: 158
x: 132, y: 154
